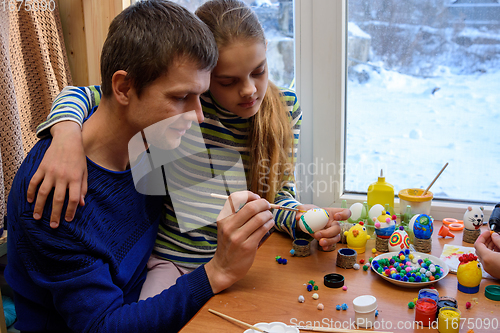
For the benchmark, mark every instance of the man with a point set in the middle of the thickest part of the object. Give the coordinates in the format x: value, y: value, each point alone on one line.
x: 86, y: 276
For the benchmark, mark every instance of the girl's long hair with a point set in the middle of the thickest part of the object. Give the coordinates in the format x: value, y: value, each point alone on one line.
x: 270, y: 140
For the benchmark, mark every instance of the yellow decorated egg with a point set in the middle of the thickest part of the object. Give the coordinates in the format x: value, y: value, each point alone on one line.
x: 469, y: 274
x: 313, y: 220
x: 357, y: 237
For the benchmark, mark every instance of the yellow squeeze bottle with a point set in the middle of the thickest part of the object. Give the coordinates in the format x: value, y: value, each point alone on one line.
x: 381, y: 192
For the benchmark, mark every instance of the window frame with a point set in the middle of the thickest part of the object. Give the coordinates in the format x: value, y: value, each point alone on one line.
x: 320, y: 67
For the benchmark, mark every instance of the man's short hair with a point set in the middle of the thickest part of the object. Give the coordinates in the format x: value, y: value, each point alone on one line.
x: 145, y: 39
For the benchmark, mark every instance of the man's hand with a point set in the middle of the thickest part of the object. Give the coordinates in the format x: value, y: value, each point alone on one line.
x: 63, y: 167
x: 488, y: 250
x: 238, y: 237
x: 330, y: 235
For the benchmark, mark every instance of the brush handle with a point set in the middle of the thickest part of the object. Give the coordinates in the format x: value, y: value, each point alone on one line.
x: 274, y: 206
x: 439, y: 174
x: 236, y: 320
x: 334, y: 330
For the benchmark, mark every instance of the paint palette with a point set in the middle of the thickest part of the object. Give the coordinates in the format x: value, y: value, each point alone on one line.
x: 417, y: 255
x: 275, y: 327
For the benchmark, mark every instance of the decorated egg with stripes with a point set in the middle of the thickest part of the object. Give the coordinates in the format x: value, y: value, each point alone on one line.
x: 313, y: 220
x: 399, y: 240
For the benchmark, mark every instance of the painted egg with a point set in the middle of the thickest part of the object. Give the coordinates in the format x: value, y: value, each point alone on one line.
x: 398, y: 241
x: 469, y: 274
x: 357, y: 237
x: 473, y: 218
x: 356, y: 211
x: 376, y: 211
x: 313, y: 220
x: 423, y: 226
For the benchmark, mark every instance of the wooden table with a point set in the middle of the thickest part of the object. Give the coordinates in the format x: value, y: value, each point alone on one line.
x: 269, y: 292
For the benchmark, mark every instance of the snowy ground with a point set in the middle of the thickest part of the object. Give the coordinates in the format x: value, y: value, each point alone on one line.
x: 412, y: 126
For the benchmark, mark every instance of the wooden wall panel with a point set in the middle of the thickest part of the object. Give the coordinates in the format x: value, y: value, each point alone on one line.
x: 71, y: 13
x: 85, y: 26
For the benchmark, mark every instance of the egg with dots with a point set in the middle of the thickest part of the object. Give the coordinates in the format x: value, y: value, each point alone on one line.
x: 469, y: 273
x: 399, y: 240
x: 357, y: 237
x: 385, y: 225
x: 313, y: 220
x: 473, y: 218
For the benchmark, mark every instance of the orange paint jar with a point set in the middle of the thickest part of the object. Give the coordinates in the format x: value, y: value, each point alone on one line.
x: 425, y: 311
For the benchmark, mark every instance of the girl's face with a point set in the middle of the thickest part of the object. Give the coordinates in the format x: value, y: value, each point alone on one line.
x: 239, y: 81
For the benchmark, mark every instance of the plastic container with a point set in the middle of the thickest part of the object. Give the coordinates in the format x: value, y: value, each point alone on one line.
x: 425, y: 311
x: 446, y: 301
x: 413, y: 197
x: 429, y: 293
x: 449, y: 320
x: 364, y: 310
x: 380, y: 192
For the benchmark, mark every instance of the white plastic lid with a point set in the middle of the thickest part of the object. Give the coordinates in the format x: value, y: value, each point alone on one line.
x: 364, y: 304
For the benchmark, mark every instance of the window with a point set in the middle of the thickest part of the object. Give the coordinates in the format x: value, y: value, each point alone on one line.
x: 276, y: 17
x: 403, y: 86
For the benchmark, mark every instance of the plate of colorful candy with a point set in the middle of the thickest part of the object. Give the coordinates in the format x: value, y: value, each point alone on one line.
x: 410, y: 269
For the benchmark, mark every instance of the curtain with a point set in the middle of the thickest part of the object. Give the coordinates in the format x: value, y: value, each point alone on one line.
x: 33, y: 70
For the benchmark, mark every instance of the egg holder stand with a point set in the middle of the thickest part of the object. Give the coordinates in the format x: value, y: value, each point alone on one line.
x: 346, y: 258
x: 422, y: 245
x: 344, y: 226
x: 470, y: 236
x: 301, y: 247
x: 382, y: 244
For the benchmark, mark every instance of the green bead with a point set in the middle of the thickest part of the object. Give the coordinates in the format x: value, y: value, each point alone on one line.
x: 411, y: 279
x: 315, y: 288
x: 411, y: 305
x: 311, y: 282
x: 365, y: 267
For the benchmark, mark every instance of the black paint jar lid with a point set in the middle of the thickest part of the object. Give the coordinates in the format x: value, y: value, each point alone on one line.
x: 334, y: 280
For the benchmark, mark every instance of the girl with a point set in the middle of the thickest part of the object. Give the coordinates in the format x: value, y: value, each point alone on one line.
x: 243, y: 111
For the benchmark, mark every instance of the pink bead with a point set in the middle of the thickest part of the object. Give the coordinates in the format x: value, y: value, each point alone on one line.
x: 344, y: 288
x: 408, y: 269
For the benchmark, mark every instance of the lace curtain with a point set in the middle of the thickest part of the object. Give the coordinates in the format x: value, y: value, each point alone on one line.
x: 33, y: 70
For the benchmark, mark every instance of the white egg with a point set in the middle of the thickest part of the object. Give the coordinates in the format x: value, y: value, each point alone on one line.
x: 356, y: 211
x: 376, y: 211
x: 316, y: 219
x: 412, y: 222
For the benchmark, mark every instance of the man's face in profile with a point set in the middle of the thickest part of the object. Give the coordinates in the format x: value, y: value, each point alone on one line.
x: 168, y: 106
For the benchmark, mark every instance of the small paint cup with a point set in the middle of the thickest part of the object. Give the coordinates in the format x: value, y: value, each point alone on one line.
x: 446, y: 301
x: 364, y: 310
x: 425, y: 311
x: 429, y: 293
x: 449, y: 320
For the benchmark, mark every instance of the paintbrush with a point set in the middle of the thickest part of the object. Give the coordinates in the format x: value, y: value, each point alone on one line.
x: 439, y: 174
x: 274, y: 206
x: 333, y: 330
x: 236, y: 321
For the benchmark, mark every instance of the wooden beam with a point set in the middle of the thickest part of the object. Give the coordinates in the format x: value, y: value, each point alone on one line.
x: 71, y: 13
x: 85, y: 27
